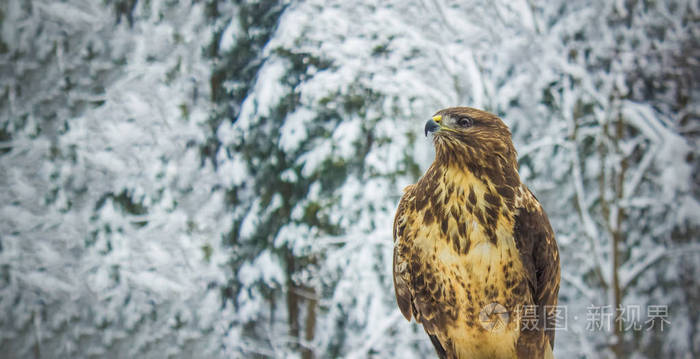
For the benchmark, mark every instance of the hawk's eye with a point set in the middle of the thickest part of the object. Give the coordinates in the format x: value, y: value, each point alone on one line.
x: 464, y: 122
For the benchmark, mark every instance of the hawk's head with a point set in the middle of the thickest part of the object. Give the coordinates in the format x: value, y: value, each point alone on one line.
x: 474, y: 140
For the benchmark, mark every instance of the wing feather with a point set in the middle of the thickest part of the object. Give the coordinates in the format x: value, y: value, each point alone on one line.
x: 413, y: 295
x: 540, y: 257
x: 400, y: 264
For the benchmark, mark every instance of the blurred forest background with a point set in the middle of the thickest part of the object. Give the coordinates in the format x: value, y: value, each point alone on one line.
x: 210, y: 178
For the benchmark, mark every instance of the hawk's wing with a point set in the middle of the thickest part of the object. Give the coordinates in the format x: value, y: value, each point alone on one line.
x: 540, y: 257
x: 400, y: 267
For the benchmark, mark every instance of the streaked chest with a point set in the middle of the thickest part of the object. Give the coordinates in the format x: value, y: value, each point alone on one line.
x: 461, y: 232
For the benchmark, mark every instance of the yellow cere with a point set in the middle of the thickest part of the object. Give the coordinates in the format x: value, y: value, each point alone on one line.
x: 438, y: 120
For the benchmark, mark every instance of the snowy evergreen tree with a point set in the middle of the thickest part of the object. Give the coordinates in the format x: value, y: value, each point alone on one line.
x: 110, y: 223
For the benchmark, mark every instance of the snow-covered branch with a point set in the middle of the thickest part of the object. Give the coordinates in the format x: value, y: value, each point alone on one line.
x: 578, y: 283
x: 375, y: 335
x: 589, y: 226
x: 637, y: 266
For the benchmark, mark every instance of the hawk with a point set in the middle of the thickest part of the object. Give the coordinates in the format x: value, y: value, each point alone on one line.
x: 475, y: 259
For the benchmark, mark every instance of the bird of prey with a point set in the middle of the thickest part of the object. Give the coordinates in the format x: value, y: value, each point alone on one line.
x: 475, y: 259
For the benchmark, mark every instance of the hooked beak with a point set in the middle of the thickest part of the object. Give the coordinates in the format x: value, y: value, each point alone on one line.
x: 433, y: 124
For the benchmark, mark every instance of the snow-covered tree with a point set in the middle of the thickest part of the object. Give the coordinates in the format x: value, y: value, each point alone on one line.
x: 110, y: 221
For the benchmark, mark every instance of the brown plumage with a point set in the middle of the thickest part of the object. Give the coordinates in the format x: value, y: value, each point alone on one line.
x: 469, y: 234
